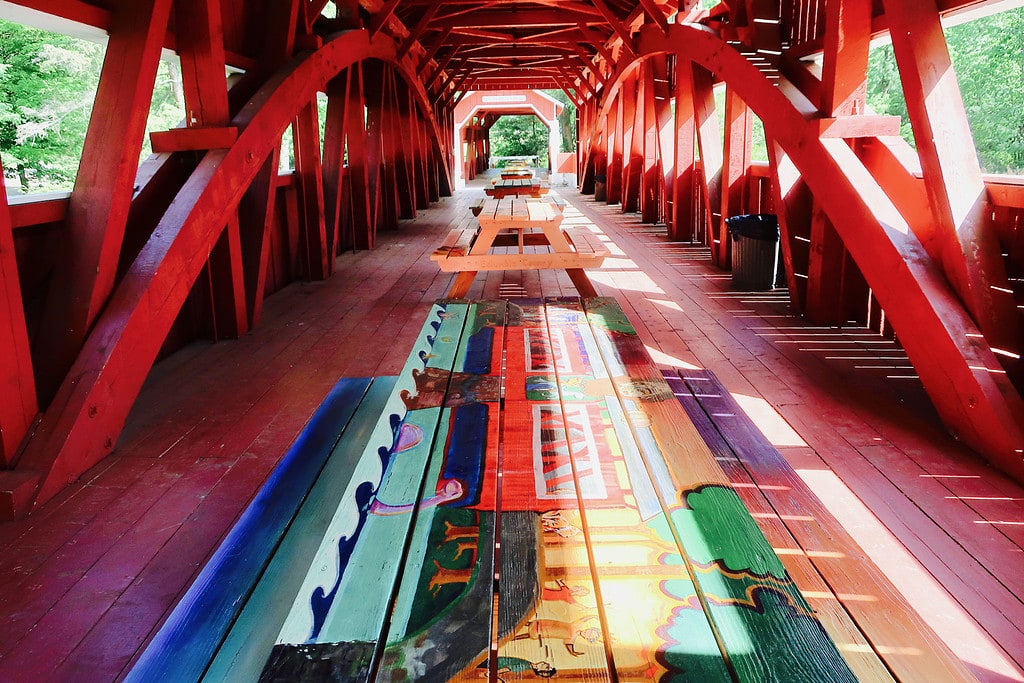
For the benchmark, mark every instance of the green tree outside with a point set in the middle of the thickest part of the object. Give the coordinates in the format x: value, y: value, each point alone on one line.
x: 47, y: 86
x: 519, y: 136
x: 988, y: 57
x: 47, y: 90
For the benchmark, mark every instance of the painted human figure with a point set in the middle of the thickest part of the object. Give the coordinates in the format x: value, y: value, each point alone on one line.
x: 564, y: 593
x: 571, y: 634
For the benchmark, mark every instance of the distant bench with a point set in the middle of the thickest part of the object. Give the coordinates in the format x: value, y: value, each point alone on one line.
x: 519, y: 223
x: 515, y: 187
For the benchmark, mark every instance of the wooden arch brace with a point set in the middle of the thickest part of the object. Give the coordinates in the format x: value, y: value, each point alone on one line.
x: 963, y: 377
x: 91, y: 406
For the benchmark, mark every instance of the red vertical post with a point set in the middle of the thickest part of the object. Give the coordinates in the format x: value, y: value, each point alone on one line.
x: 739, y: 125
x: 373, y: 90
x: 710, y: 146
x: 651, y: 180
x: 201, y: 50
x: 256, y: 221
x: 18, y: 397
x: 355, y: 135
x: 844, y: 69
x: 793, y: 204
x: 334, y: 162
x: 683, y: 176
x: 824, y: 272
x: 310, y: 192
x: 86, y: 264
x: 616, y: 130
x: 971, y: 255
x: 632, y: 143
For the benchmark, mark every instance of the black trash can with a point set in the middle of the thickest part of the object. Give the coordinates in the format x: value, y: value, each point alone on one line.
x: 600, y: 188
x: 755, y: 250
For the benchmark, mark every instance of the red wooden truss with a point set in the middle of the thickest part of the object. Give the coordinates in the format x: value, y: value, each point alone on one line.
x: 917, y: 243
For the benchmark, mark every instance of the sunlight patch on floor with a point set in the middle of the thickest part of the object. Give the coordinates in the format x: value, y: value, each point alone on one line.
x: 662, y: 358
x: 960, y: 633
x: 769, y: 421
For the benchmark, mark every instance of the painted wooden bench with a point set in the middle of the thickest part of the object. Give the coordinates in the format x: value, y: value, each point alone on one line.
x: 519, y: 223
x: 516, y: 187
x: 625, y: 553
x: 771, y: 487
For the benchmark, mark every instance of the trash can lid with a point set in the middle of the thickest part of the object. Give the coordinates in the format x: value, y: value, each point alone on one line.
x: 758, y: 226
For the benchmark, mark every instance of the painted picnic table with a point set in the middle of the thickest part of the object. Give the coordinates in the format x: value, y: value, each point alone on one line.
x: 512, y: 173
x: 515, y: 187
x: 533, y: 502
x: 519, y: 223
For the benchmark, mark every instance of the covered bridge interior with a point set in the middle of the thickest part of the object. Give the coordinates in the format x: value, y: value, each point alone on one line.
x: 168, y: 328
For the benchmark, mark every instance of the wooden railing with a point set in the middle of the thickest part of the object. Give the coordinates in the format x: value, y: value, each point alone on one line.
x: 803, y: 21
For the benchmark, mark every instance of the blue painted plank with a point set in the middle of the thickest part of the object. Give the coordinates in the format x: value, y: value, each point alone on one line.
x: 184, y: 645
x: 245, y: 650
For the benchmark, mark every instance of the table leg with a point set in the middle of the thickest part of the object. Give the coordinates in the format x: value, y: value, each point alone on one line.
x: 582, y: 282
x: 462, y: 283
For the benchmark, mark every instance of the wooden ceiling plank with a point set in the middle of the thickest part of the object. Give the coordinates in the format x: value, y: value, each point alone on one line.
x: 434, y: 47
x: 378, y: 20
x: 418, y: 30
x: 655, y: 14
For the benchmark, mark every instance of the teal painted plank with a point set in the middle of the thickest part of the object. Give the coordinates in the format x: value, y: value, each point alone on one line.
x: 336, y: 620
x: 441, y: 622
x: 766, y: 627
x: 245, y: 650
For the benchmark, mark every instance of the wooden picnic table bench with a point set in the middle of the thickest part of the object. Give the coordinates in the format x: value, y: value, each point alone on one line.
x: 625, y: 552
x: 511, y: 173
x: 519, y: 223
x: 515, y: 187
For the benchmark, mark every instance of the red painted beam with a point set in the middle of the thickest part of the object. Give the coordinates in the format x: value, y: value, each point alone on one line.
x: 651, y: 180
x: 193, y: 139
x: 87, y: 262
x: 971, y: 257
x: 202, y: 56
x: 334, y: 161
x: 963, y: 378
x: 83, y: 423
x: 309, y: 174
x: 684, y: 171
x: 38, y: 210
x: 845, y: 64
x: 739, y: 129
x: 708, y: 142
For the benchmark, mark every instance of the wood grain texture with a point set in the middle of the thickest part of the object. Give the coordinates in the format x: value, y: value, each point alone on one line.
x: 192, y: 633
x: 643, y: 593
x: 765, y: 626
x: 542, y: 624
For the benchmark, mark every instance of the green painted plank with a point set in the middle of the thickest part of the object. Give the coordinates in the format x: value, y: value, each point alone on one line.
x: 768, y: 631
x: 441, y: 622
x: 640, y: 570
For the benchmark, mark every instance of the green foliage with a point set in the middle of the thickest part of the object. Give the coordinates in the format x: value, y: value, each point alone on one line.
x: 47, y: 88
x: 47, y: 83
x: 519, y: 136
x: 566, y: 120
x: 988, y: 57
